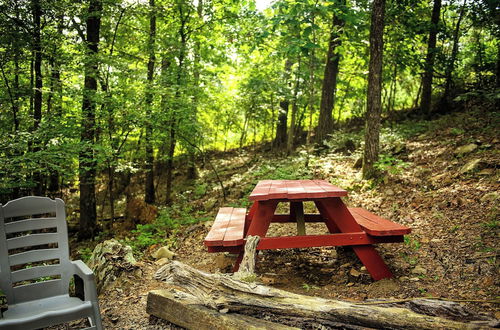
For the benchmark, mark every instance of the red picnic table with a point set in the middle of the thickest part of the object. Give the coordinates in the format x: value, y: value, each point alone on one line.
x: 354, y: 227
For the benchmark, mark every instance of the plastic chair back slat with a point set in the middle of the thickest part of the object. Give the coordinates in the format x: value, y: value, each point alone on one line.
x: 32, y: 240
x: 35, y: 273
x: 30, y: 224
x: 34, y: 256
x: 29, y: 206
x: 38, y: 290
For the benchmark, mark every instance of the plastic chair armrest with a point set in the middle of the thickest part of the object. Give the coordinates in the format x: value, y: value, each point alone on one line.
x: 85, y: 273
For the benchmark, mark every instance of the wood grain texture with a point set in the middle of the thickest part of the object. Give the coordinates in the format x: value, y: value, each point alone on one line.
x: 220, y: 291
x: 294, y: 190
x: 377, y: 226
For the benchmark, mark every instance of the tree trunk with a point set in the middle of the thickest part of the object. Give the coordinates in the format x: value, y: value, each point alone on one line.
x: 425, y: 103
x: 87, y: 161
x: 281, y: 127
x: 37, y: 94
x: 373, y: 98
x: 150, y: 187
x: 295, y: 108
x: 173, y: 120
x: 329, y: 88
x: 220, y: 292
x: 451, y: 63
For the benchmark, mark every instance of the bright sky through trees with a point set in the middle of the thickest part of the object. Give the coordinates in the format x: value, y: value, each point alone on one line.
x: 262, y: 4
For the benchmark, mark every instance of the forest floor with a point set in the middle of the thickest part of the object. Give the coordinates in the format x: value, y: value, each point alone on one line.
x: 447, y: 195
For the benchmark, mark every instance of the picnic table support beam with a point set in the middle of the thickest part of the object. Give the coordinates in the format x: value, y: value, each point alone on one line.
x: 336, y: 212
x: 297, y: 214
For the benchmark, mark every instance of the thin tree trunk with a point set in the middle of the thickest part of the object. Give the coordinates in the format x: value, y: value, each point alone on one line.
x: 150, y: 187
x: 295, y: 108
x: 37, y: 94
x: 281, y: 127
x: 373, y: 99
x: 329, y: 88
x: 87, y: 166
x: 451, y: 64
x: 173, y: 120
x: 425, y: 103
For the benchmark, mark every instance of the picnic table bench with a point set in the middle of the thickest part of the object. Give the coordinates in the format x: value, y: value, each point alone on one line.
x: 354, y: 227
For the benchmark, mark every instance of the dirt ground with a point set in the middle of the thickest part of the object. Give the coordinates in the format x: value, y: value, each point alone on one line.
x: 452, y: 252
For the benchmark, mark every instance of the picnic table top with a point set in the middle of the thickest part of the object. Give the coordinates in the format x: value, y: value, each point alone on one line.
x: 295, y: 189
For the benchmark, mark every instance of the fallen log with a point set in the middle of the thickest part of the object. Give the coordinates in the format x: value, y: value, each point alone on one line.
x: 222, y: 292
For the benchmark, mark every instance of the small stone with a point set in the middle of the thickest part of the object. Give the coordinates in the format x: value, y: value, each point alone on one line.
x: 389, y: 192
x: 490, y: 197
x: 345, y: 265
x: 487, y: 171
x: 354, y: 272
x: 465, y: 149
x: 436, y: 240
x: 419, y: 270
x: 350, y: 284
x: 414, y: 279
x: 404, y: 278
x: 162, y: 261
x: 470, y: 166
x: 268, y: 280
x: 363, y: 269
x: 224, y: 310
x: 163, y: 252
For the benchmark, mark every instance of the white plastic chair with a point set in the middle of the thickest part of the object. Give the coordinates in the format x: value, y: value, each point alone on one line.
x: 35, y: 285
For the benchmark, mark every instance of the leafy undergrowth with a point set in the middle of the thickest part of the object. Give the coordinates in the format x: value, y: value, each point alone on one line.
x: 451, y: 253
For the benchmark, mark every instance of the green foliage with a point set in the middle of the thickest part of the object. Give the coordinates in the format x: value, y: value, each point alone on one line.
x: 85, y: 254
x: 411, y: 242
x: 390, y: 164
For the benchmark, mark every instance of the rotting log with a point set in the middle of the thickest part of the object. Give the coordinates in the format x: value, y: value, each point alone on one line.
x: 187, y: 311
x: 222, y: 292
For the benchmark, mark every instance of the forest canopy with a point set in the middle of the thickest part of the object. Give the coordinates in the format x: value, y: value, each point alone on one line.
x: 99, y: 89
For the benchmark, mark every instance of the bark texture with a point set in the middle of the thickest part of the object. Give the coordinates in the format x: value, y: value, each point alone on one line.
x: 329, y: 88
x: 220, y: 292
x: 87, y: 162
x: 373, y: 97
x: 425, y: 103
x: 150, y: 187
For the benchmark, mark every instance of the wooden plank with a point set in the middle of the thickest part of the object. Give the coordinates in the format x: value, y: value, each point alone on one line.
x: 377, y: 226
x: 235, y: 228
x: 312, y: 187
x: 261, y: 190
x: 295, y: 190
x: 278, y: 189
x: 216, y: 234
x: 330, y: 189
x: 342, y: 239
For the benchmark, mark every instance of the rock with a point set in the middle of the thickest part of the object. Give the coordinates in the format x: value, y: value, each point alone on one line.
x: 470, y: 166
x: 109, y: 261
x: 419, y: 270
x: 354, y: 272
x: 490, y: 197
x: 442, y: 179
x: 162, y: 261
x: 468, y: 148
x: 389, y: 192
x: 223, y: 262
x: 404, y: 278
x: 163, y: 252
x: 487, y: 171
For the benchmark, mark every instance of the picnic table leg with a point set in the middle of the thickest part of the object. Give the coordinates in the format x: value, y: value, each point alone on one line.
x: 261, y: 219
x: 336, y: 211
x: 330, y: 224
x: 249, y: 216
x: 297, y: 214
